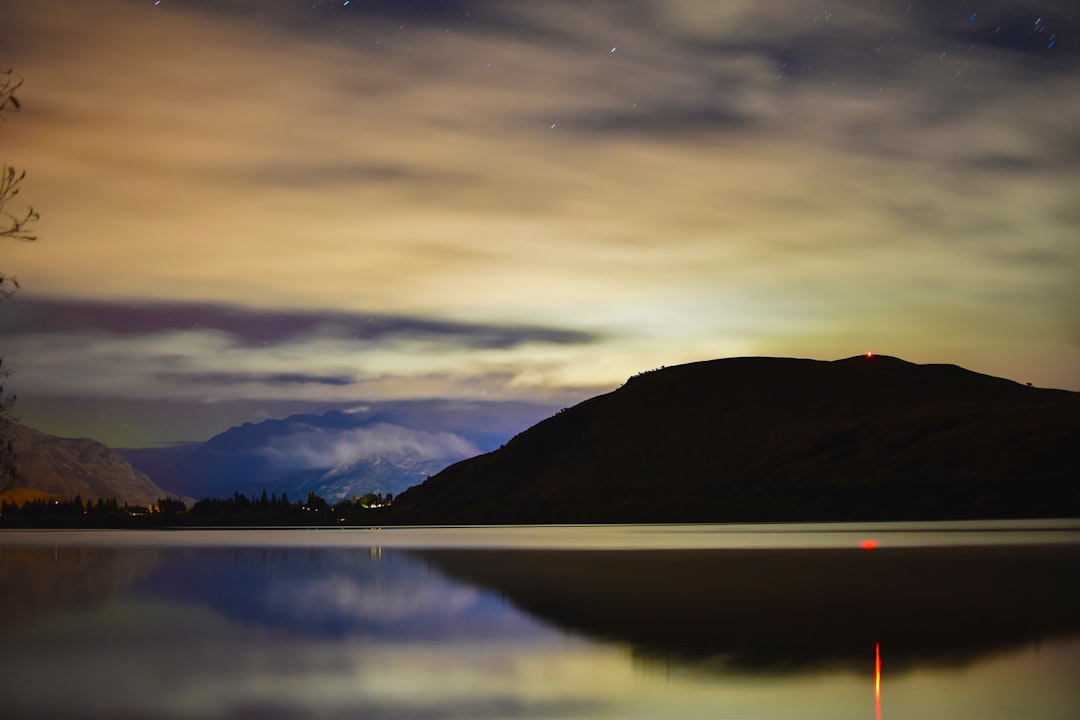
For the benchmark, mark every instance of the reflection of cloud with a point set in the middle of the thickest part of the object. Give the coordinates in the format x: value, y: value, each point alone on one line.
x: 329, y: 448
x: 340, y: 601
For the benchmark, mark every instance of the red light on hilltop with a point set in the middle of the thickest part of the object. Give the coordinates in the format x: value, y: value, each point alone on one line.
x: 869, y: 354
x: 868, y: 544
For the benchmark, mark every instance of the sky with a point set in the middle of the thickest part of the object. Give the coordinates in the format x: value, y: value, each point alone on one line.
x: 255, y: 207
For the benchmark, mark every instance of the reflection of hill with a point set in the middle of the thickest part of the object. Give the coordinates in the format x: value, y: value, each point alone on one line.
x: 768, y: 609
x: 40, y: 580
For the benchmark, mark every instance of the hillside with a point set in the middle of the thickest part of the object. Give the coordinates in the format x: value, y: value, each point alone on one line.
x: 22, y: 495
x: 68, y: 467
x: 778, y: 439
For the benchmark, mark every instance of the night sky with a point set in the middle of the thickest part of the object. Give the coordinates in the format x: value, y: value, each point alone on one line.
x: 251, y: 207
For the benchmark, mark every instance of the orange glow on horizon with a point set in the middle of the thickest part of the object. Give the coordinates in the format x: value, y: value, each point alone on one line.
x: 868, y: 544
x: 869, y: 354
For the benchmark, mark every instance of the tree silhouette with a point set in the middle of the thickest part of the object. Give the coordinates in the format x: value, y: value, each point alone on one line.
x: 7, y: 452
x: 14, y: 226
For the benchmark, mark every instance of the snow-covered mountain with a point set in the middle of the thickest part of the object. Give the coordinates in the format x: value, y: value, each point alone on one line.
x: 335, y: 455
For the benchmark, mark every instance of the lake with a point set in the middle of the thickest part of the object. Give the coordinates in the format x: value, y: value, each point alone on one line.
x: 913, y: 620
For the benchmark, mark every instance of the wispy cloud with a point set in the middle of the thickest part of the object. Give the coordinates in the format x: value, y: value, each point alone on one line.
x: 313, y: 448
x: 212, y: 352
x: 253, y: 327
x: 241, y: 378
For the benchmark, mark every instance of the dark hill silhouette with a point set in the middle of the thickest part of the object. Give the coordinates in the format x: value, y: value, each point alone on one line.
x: 778, y: 439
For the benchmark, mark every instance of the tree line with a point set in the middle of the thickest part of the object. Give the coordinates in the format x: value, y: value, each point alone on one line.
x: 238, y: 510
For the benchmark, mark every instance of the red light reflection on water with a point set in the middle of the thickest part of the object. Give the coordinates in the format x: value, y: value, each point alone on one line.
x: 877, y: 681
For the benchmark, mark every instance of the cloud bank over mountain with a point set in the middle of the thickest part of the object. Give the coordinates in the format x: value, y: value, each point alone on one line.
x: 307, y: 449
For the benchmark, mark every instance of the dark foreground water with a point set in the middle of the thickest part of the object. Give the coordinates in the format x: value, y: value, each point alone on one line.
x: 976, y: 620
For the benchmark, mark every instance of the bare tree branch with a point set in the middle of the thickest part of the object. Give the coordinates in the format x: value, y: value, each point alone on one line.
x: 8, y: 85
x: 14, y: 226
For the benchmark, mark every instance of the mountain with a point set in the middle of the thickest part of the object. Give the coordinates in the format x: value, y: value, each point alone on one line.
x: 68, y: 467
x: 778, y: 439
x: 335, y: 455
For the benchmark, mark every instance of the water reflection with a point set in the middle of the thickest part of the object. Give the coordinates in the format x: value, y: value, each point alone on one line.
x: 877, y: 680
x: 36, y: 579
x: 283, y: 631
x: 324, y: 593
x: 245, y: 632
x: 792, y: 610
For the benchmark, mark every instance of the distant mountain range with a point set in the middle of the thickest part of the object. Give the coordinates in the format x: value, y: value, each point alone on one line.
x: 778, y: 439
x: 46, y: 466
x: 375, y: 448
x: 335, y: 455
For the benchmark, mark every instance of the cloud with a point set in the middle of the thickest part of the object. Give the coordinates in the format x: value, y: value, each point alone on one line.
x: 252, y: 327
x: 242, y: 378
x: 317, y: 448
x: 209, y: 352
x: 306, y: 176
x: 206, y: 366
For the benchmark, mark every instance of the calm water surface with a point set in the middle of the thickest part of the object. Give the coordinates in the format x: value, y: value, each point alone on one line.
x: 929, y: 620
